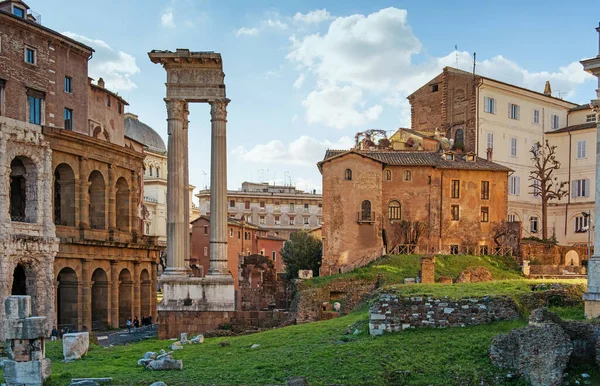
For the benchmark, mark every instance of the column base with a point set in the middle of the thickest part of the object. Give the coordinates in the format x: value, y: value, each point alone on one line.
x: 591, y: 305
x: 184, y: 293
x: 173, y: 271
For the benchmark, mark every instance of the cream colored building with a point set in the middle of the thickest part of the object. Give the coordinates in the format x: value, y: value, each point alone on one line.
x: 511, y: 120
x: 155, y: 179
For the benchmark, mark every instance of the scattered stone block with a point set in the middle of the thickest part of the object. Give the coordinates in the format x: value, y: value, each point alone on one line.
x: 197, y: 339
x: 183, y: 339
x: 150, y: 355
x: 75, y: 345
x: 305, y: 274
x: 428, y: 269
x: 27, y: 373
x: 475, y: 275
x: 445, y: 280
x: 255, y: 345
x: 409, y: 280
x: 175, y: 346
x: 296, y: 381
x: 337, y: 306
x: 158, y: 384
x: 165, y: 364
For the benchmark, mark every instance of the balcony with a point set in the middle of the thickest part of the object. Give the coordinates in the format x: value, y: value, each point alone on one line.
x: 365, y: 217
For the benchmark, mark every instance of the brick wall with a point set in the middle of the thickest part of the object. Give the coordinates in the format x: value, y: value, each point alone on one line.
x: 259, y: 286
x: 395, y: 313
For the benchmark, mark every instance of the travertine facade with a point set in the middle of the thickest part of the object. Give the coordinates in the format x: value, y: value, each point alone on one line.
x: 70, y: 173
x: 280, y: 209
x: 369, y: 196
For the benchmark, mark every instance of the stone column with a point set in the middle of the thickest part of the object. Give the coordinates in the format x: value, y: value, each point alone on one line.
x: 153, y: 290
x: 187, y: 192
x: 137, y: 305
x: 177, y: 213
x: 133, y: 204
x: 114, y: 294
x: 84, y: 199
x: 45, y: 194
x: 86, y: 294
x: 218, y: 189
x: 592, y: 296
x: 112, y: 200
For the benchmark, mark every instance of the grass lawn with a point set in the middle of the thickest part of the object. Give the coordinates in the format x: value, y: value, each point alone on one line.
x: 393, y: 269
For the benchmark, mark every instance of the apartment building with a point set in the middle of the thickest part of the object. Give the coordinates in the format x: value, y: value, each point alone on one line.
x: 281, y: 209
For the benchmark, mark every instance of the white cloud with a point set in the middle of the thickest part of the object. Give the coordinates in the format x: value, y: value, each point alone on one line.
x: 312, y: 17
x: 371, y: 60
x: 298, y: 83
x: 274, y: 23
x: 115, y: 67
x: 302, y: 151
x: 166, y: 19
x: 338, y: 107
x: 245, y: 31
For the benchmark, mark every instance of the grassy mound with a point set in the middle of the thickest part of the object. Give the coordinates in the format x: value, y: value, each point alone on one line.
x: 395, y: 268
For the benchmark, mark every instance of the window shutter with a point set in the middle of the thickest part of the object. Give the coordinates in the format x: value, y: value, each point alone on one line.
x: 510, y: 185
x: 518, y: 183
x: 574, y: 189
x: 588, y: 187
x: 486, y: 103
x: 518, y: 113
x: 509, y: 110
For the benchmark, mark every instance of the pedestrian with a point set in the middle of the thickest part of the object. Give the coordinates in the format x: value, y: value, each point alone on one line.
x: 54, y: 335
x: 128, y: 324
x: 136, y: 324
x: 150, y: 322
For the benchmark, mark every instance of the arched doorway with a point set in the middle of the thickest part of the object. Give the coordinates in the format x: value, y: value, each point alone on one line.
x: 122, y: 205
x: 67, y: 299
x: 99, y: 300
x: 19, y: 286
x: 64, y: 195
x: 125, y: 297
x: 97, y: 203
x: 145, y: 293
x: 23, y: 190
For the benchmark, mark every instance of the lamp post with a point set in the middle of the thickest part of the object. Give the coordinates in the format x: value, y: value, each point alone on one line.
x: 588, y: 216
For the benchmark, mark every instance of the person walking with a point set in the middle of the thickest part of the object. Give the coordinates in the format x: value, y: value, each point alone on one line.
x: 128, y: 324
x: 54, y: 335
x: 136, y: 324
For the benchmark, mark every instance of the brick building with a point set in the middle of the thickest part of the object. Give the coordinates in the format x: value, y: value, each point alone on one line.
x: 481, y: 113
x: 370, y: 197
x: 73, y: 184
x: 281, y: 209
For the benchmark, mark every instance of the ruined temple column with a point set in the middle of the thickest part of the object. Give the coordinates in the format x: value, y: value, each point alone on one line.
x: 218, y: 188
x: 177, y: 190
x: 187, y: 187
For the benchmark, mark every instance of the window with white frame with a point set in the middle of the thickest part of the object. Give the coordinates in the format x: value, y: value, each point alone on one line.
x: 590, y: 118
x: 277, y: 221
x: 513, y: 146
x: 514, y: 111
x: 581, y: 224
x: 581, y: 149
x: 306, y: 221
x: 489, y: 105
x: 581, y: 188
x: 512, y: 217
x: 554, y: 122
x: 514, y: 185
x: 533, y: 224
x: 537, y: 191
x: 536, y: 116
x: 490, y: 140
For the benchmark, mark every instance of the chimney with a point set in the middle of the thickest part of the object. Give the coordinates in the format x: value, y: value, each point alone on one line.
x: 547, y: 89
x: 489, y: 154
x: 101, y: 82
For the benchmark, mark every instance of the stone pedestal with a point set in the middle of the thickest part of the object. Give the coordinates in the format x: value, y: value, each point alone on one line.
x: 25, y: 344
x: 592, y: 296
x: 428, y: 269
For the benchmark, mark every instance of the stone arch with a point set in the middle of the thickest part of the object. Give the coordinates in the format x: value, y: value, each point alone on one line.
x: 459, y: 138
x: 97, y: 194
x: 125, y: 296
x: 395, y: 210
x: 23, y: 189
x: 67, y: 302
x: 572, y: 258
x: 122, y: 204
x: 100, y: 304
x: 64, y: 195
x: 145, y: 292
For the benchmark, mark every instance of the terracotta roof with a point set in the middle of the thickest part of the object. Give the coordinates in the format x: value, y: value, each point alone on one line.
x: 414, y: 132
x: 419, y: 158
x: 584, y: 106
x: 583, y: 126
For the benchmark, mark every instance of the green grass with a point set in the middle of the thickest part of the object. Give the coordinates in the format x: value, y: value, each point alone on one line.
x: 394, y: 269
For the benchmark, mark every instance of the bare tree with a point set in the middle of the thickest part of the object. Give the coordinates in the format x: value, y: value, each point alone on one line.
x: 543, y: 183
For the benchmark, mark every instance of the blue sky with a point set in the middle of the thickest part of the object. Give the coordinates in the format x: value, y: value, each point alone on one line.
x: 304, y: 76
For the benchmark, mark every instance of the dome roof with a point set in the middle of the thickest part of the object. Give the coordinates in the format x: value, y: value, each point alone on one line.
x: 141, y: 132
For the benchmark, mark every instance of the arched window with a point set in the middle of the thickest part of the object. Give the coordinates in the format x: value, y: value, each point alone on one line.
x: 459, y: 138
x: 122, y: 205
x: 64, y: 195
x: 388, y: 175
x: 365, y: 211
x: 407, y: 175
x: 348, y: 175
x: 96, y: 191
x: 150, y: 171
x: 23, y: 190
x: 395, y: 211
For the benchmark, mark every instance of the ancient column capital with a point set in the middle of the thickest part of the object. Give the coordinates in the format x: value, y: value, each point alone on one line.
x: 595, y: 105
x: 177, y: 109
x: 218, y: 109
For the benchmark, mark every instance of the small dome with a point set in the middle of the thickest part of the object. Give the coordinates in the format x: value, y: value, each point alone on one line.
x: 141, y: 132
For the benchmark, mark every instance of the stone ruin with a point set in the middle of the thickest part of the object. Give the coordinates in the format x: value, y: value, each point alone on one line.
x: 25, y: 335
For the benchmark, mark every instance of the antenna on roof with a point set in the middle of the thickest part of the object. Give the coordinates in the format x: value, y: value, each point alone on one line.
x: 456, y: 51
x: 560, y: 94
x: 474, y: 62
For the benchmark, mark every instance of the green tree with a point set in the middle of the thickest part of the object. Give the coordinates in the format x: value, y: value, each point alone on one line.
x: 301, y: 251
